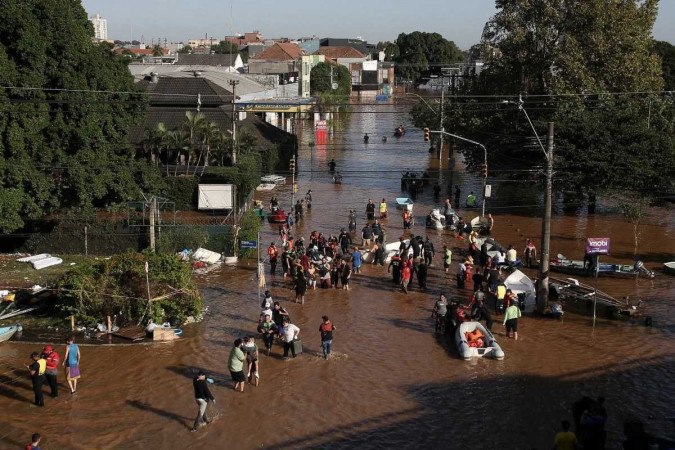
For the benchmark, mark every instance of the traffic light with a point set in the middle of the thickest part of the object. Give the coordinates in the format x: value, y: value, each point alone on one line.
x: 427, y: 138
x: 291, y: 165
x: 483, y: 170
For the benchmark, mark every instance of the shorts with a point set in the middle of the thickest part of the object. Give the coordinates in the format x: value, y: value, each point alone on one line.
x: 238, y: 377
x: 446, y: 265
x: 405, y: 282
x: 512, y: 325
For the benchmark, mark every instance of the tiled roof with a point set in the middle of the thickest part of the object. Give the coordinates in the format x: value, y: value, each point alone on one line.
x: 206, y: 60
x: 184, y: 91
x: 339, y: 52
x: 281, y: 52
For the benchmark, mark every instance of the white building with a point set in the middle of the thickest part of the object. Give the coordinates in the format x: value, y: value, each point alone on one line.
x: 100, y: 27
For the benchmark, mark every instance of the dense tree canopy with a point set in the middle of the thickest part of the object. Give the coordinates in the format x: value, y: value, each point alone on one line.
x: 666, y: 51
x: 588, y: 66
x: 414, y: 52
x: 320, y: 81
x: 225, y: 48
x: 65, y: 119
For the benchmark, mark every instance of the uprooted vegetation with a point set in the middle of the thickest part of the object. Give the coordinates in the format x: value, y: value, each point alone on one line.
x: 117, y: 287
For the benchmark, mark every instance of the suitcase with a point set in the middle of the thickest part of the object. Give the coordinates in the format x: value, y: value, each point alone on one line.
x: 297, y: 346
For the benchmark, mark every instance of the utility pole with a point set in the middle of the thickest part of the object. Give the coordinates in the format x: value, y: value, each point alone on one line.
x: 542, y: 294
x: 151, y: 212
x: 234, y: 84
x: 440, y: 146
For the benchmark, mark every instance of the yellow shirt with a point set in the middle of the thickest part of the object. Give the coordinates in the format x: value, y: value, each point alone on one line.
x: 383, y: 207
x: 43, y: 366
x: 501, y: 292
x: 565, y: 440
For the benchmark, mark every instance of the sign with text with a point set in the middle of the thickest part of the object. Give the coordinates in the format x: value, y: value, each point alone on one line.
x: 248, y: 244
x: 597, y: 246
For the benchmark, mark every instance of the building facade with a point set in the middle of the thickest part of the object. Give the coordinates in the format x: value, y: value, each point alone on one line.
x: 100, y: 27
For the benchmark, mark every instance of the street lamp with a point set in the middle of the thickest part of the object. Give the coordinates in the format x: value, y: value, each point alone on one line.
x: 542, y: 293
x: 440, y: 145
x: 471, y: 142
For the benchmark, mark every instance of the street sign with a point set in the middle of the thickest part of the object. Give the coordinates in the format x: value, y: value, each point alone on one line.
x: 248, y: 244
x: 597, y: 246
x: 488, y: 190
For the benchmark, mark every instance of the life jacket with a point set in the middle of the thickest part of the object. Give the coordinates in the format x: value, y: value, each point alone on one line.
x: 42, y: 366
x: 326, y: 327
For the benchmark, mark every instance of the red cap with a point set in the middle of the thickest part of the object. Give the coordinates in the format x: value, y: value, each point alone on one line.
x: 48, y: 349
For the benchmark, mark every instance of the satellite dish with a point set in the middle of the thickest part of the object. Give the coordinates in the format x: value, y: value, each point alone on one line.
x: 334, y: 86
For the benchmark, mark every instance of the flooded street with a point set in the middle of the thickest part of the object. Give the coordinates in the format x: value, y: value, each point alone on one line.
x: 392, y: 381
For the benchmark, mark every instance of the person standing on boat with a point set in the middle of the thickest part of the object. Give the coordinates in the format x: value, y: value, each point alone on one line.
x: 52, y: 369
x: 511, y: 316
x: 383, y: 209
x: 37, y: 376
x: 72, y: 359
x: 273, y: 255
x: 202, y: 397
x: 370, y: 210
x: 530, y: 253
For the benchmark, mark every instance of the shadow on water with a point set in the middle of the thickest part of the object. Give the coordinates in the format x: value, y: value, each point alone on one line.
x: 160, y: 412
x: 431, y: 424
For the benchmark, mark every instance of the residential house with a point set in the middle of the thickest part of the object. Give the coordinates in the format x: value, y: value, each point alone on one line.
x: 281, y: 59
x: 342, y: 55
x: 220, y: 60
x: 307, y: 62
x: 309, y: 44
x: 253, y: 37
x: 372, y: 78
x: 359, y: 44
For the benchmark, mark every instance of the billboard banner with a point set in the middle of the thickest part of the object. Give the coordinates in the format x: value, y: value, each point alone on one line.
x: 597, y: 246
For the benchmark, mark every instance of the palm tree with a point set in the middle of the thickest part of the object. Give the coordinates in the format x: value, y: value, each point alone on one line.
x: 192, y: 125
x: 209, y: 133
x: 177, y: 140
x: 222, y: 146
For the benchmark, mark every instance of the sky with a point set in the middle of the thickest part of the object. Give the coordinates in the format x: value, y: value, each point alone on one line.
x: 460, y: 21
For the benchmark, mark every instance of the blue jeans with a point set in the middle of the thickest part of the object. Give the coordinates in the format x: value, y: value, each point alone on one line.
x: 326, y: 348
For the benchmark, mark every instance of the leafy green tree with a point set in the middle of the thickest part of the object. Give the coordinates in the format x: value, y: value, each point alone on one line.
x: 572, y: 55
x: 320, y: 79
x: 225, y: 48
x: 157, y: 50
x: 185, y: 49
x: 63, y: 142
x: 390, y: 49
x: 666, y: 51
x: 418, y: 49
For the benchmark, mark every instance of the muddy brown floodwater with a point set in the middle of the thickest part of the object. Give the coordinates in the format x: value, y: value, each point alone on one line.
x: 392, y: 382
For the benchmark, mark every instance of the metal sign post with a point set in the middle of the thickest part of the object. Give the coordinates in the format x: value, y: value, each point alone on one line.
x: 596, y: 247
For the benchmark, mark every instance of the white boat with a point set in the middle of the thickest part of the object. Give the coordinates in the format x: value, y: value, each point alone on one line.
x: 46, y: 262
x: 207, y: 256
x: 265, y: 187
x: 490, y: 348
x: 273, y: 179
x: 30, y: 259
x: 6, y: 333
x: 404, y: 203
x: 41, y: 261
x: 669, y: 267
x: 435, y: 219
x: 521, y: 285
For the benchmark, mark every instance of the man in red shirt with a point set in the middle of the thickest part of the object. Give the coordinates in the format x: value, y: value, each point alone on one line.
x: 51, y: 371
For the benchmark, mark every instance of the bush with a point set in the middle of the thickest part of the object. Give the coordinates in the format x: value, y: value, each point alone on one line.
x: 117, y: 286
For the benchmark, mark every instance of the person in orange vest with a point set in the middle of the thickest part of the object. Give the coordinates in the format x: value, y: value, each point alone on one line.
x: 273, y: 254
x: 52, y: 369
x: 405, y: 276
x: 37, y: 375
x: 407, y: 220
x: 326, y: 330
